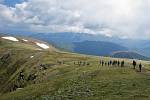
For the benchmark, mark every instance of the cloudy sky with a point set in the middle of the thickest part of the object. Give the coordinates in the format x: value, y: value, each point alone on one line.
x: 120, y: 18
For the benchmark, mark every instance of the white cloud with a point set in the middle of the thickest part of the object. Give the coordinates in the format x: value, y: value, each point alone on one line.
x: 123, y: 18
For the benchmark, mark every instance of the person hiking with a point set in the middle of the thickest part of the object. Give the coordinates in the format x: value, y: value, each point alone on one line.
x: 140, y: 67
x: 134, y: 64
x: 118, y: 62
x: 102, y: 63
x: 122, y: 63
x: 110, y: 62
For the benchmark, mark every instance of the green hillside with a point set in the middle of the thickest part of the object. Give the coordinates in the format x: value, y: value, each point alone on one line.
x: 129, y: 55
x: 30, y: 73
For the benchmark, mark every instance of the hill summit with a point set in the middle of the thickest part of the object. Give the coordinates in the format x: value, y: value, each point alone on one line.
x: 129, y: 55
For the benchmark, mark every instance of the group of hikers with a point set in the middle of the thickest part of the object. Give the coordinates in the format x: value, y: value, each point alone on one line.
x: 112, y: 63
x: 134, y: 65
x: 81, y: 63
x: 102, y: 62
x: 119, y: 63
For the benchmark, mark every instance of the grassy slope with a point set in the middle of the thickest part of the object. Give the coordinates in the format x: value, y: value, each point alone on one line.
x: 69, y: 81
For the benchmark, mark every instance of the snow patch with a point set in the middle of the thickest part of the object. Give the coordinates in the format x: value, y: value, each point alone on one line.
x: 42, y: 45
x: 25, y: 40
x: 31, y: 56
x: 10, y: 38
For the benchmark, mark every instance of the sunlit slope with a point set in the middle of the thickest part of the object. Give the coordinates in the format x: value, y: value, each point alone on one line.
x: 28, y: 73
x: 14, y: 56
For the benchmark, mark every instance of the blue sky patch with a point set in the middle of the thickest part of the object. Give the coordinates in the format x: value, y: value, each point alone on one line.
x: 12, y: 2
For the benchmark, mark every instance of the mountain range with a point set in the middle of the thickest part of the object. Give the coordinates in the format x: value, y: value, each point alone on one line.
x: 91, y: 44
